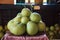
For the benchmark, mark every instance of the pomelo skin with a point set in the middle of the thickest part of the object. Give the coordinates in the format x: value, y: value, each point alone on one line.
x: 17, y: 29
x: 10, y: 23
x: 25, y: 12
x: 1, y: 28
x: 19, y: 15
x: 24, y: 20
x: 32, y: 28
x: 41, y: 26
x: 35, y: 17
x: 47, y: 29
x: 17, y: 19
x: 52, y: 28
x: 1, y: 34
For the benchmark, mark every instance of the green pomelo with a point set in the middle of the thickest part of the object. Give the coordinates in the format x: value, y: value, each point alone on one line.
x: 47, y: 29
x: 1, y: 28
x: 41, y: 26
x: 25, y: 12
x: 10, y: 23
x: 32, y: 28
x: 1, y: 34
x: 24, y: 20
x: 17, y: 29
x: 51, y: 33
x: 17, y: 19
x: 52, y: 28
x: 35, y: 17
x: 19, y: 15
x: 57, y: 27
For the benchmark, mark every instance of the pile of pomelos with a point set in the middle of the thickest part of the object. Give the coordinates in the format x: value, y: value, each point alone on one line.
x: 26, y: 22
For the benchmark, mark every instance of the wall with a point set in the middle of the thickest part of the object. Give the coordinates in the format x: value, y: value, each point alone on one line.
x: 50, y: 13
x: 6, y: 1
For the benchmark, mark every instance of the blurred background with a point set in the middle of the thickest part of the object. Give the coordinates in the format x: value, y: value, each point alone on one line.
x: 29, y: 1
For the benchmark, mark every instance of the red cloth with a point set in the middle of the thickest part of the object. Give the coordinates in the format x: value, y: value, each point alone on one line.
x: 8, y: 36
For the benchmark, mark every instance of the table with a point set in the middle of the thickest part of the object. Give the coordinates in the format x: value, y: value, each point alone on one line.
x: 8, y: 36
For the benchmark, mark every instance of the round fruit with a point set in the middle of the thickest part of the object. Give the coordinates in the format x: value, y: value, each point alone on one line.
x: 1, y: 34
x: 18, y: 29
x: 1, y: 28
x: 52, y: 28
x: 47, y: 29
x: 10, y: 23
x: 32, y: 28
x: 41, y: 26
x: 17, y: 19
x: 24, y: 20
x: 19, y: 15
x: 35, y: 17
x: 51, y: 33
x: 57, y: 27
x: 25, y: 12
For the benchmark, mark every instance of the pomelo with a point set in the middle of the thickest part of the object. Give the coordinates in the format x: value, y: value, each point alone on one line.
x: 35, y: 17
x: 25, y: 12
x: 32, y: 28
x: 24, y: 20
x: 17, y: 29
x: 41, y: 26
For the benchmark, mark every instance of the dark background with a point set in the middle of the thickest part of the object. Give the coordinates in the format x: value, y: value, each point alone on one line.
x: 50, y: 13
